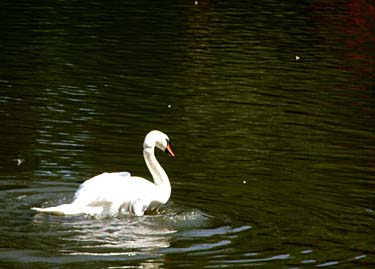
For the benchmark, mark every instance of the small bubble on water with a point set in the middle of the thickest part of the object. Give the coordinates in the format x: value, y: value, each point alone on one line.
x: 19, y: 161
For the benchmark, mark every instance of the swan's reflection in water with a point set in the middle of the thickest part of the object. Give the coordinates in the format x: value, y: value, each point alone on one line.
x: 127, y: 236
x: 130, y: 236
x: 136, y: 242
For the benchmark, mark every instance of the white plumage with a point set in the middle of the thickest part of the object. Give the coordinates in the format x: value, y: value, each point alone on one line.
x: 112, y: 194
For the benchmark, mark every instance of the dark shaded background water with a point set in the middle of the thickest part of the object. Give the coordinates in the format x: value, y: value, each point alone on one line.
x: 269, y: 106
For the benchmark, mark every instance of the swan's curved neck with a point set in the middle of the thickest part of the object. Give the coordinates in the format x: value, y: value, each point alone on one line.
x: 158, y: 174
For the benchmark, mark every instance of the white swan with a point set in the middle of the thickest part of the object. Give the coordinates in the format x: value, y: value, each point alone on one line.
x: 112, y: 194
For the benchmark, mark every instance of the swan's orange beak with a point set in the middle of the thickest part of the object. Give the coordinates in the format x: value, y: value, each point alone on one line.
x: 168, y: 149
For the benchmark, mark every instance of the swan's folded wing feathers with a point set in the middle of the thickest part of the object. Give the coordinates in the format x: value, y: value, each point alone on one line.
x: 122, y: 174
x: 101, y: 182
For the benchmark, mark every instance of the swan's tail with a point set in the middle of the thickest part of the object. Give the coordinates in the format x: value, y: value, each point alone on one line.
x: 65, y: 209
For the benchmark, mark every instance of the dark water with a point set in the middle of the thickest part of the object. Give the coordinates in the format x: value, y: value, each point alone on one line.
x: 269, y: 105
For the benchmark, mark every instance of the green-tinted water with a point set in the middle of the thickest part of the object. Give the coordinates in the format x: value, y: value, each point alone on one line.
x: 269, y: 107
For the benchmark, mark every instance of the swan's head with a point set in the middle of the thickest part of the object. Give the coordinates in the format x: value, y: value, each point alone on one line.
x: 158, y: 139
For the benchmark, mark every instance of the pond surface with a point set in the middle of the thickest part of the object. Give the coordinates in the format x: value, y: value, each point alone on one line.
x: 269, y: 106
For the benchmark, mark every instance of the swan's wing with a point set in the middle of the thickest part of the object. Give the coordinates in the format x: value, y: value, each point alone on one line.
x: 100, y: 182
x: 113, y: 188
x: 121, y: 174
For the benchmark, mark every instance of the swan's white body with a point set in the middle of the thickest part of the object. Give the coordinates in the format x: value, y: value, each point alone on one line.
x: 112, y: 194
